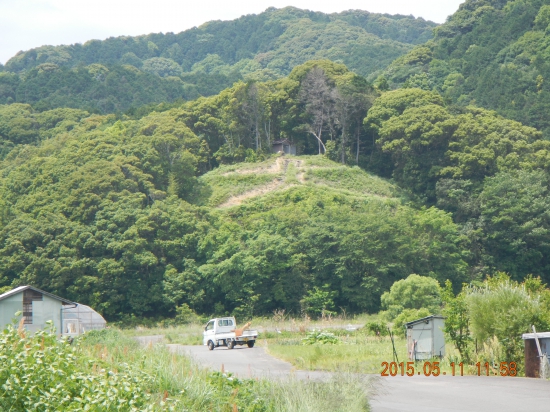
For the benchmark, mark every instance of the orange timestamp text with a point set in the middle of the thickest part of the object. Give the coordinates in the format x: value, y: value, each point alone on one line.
x: 433, y: 369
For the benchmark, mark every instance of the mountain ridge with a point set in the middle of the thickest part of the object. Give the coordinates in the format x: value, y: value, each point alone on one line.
x: 126, y: 72
x: 490, y: 53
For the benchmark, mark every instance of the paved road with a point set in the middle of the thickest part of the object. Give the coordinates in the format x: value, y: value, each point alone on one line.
x: 462, y: 393
x: 243, y: 362
x: 394, y: 394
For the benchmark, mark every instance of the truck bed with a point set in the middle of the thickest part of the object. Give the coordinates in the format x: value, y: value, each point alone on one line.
x: 247, y: 334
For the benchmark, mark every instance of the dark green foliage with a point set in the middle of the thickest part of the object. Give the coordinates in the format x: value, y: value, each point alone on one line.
x: 125, y: 73
x: 515, y: 209
x: 293, y: 241
x: 97, y: 209
x: 95, y: 88
x: 128, y: 215
x: 488, y: 171
x: 490, y: 53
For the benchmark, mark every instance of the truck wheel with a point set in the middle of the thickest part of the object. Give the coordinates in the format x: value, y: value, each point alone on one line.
x: 210, y: 345
x: 230, y: 344
x: 250, y: 343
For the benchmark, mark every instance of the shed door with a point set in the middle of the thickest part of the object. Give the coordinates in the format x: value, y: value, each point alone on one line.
x: 423, y: 338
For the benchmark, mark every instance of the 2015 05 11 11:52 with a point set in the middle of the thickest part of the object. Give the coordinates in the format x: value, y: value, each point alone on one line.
x: 433, y: 369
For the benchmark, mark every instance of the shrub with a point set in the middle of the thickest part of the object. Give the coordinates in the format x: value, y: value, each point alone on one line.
x: 319, y: 301
x: 505, y: 309
x: 408, y: 315
x: 377, y: 328
x: 38, y: 372
x: 323, y: 338
x: 186, y: 315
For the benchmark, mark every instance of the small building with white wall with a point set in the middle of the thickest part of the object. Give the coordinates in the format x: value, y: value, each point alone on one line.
x: 36, y: 307
x: 425, y: 338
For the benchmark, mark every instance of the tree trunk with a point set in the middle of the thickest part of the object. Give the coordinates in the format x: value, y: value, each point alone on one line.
x: 357, y: 154
x: 343, y: 144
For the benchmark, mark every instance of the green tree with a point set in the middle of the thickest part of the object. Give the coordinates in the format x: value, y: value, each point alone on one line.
x: 515, y: 209
x: 319, y: 301
x: 457, y: 320
x: 414, y: 292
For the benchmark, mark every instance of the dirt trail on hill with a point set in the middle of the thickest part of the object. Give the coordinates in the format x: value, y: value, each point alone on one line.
x: 273, y: 168
x: 261, y: 190
x: 280, y: 165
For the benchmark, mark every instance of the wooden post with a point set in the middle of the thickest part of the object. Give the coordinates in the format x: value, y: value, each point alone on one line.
x: 393, y: 345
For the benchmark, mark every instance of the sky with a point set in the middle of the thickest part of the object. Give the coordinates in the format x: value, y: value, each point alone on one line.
x: 25, y: 24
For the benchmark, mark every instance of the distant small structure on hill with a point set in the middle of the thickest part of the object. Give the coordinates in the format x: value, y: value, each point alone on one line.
x: 284, y: 146
x: 37, y: 307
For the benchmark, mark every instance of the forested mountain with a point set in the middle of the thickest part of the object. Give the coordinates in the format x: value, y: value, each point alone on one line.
x: 186, y: 206
x: 490, y: 53
x: 119, y: 73
x: 183, y: 203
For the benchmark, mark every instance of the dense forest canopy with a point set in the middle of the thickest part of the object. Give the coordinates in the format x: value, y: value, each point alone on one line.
x: 141, y: 215
x: 183, y: 203
x: 490, y: 53
x: 127, y: 72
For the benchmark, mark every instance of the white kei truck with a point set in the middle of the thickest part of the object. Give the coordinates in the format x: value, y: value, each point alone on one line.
x: 224, y: 332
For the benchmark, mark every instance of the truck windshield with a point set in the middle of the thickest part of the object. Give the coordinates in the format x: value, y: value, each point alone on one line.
x: 210, y: 326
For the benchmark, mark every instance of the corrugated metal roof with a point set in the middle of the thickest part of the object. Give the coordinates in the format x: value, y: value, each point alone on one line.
x: 414, y: 322
x: 540, y: 335
x: 22, y: 288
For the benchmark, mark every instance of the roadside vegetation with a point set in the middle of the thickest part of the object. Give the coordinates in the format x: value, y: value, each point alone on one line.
x: 484, y: 323
x: 108, y: 371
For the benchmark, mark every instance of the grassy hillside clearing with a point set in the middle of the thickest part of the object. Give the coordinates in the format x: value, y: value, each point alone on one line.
x: 232, y: 185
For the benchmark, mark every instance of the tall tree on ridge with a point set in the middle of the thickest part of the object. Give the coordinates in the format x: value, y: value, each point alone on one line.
x: 316, y: 94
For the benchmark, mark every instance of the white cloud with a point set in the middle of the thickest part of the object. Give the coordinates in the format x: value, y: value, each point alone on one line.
x: 25, y: 24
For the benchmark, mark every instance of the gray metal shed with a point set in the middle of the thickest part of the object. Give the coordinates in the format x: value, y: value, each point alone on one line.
x: 36, y: 307
x: 425, y: 338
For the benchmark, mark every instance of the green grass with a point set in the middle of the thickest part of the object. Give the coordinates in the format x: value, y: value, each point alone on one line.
x: 356, y: 353
x: 195, y: 389
x: 353, y: 179
x: 183, y: 334
x: 290, y: 175
x: 222, y: 188
x: 218, y: 186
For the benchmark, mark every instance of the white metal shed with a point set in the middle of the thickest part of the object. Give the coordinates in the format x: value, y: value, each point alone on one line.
x: 425, y: 338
